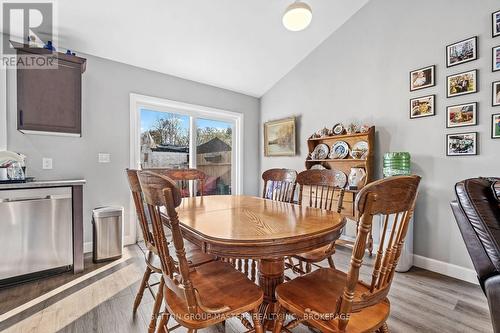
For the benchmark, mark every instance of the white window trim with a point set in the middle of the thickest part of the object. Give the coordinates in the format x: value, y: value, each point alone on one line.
x: 3, y: 109
x: 195, y: 111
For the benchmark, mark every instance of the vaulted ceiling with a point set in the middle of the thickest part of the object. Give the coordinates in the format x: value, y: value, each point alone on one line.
x: 240, y: 45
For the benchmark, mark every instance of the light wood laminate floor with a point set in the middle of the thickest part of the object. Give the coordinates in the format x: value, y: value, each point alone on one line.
x: 101, y: 301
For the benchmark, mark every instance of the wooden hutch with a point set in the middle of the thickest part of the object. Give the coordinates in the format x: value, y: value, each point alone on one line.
x: 345, y: 166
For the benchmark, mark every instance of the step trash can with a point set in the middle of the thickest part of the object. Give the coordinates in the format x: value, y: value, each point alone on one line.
x: 107, y: 227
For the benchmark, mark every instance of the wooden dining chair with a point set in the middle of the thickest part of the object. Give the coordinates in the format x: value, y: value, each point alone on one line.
x: 333, y: 301
x: 182, y: 177
x: 195, y: 255
x: 319, y: 187
x: 279, y: 184
x: 201, y: 296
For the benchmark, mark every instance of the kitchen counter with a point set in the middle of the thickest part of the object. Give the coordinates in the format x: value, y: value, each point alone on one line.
x: 43, y: 183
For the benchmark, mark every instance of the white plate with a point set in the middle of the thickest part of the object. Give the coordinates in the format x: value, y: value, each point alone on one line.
x: 359, y: 150
x: 317, y: 167
x: 340, y: 150
x: 340, y: 179
x: 321, y: 151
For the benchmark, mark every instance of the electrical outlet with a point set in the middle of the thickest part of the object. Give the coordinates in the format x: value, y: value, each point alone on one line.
x: 104, y: 158
x: 46, y: 163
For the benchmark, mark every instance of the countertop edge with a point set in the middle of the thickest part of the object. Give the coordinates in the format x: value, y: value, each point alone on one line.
x: 43, y: 183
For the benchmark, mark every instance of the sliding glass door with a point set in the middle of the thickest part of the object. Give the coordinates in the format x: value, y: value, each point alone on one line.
x: 177, y: 139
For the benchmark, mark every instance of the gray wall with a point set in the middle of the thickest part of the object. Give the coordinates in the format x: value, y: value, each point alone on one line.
x: 106, y: 89
x: 361, y: 73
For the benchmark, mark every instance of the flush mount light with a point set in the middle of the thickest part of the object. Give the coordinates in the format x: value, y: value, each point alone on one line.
x: 297, y: 16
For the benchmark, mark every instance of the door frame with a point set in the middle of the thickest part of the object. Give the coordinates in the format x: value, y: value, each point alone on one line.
x: 138, y: 101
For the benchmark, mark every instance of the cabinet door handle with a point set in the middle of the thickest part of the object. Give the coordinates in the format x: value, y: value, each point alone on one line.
x: 21, y: 117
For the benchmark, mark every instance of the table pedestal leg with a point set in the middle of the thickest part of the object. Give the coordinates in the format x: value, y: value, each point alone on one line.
x: 271, y: 274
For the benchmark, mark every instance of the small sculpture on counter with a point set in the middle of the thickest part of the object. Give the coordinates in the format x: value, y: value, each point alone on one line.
x: 49, y: 46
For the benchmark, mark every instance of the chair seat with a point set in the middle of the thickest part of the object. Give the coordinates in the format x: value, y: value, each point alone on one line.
x: 219, y: 285
x: 316, y: 255
x: 319, y: 291
x: 194, y: 255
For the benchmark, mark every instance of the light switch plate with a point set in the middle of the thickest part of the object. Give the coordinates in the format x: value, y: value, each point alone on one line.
x: 46, y: 163
x: 104, y: 158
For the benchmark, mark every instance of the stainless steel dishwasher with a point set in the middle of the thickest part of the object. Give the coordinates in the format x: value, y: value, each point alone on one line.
x: 35, y: 233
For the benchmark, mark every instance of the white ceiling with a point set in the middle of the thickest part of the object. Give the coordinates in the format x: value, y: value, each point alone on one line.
x: 240, y: 45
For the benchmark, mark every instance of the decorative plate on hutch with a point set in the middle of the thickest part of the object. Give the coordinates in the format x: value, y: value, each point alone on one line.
x: 317, y: 167
x: 320, y: 151
x: 340, y: 150
x: 359, y: 150
x: 340, y: 179
x: 338, y: 129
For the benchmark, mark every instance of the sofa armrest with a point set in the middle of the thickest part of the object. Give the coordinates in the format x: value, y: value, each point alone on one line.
x: 492, y: 290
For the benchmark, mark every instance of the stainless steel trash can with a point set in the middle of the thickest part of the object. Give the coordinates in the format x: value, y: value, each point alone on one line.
x: 107, y: 226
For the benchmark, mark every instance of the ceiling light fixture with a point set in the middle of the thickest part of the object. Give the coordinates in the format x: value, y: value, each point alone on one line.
x: 297, y: 16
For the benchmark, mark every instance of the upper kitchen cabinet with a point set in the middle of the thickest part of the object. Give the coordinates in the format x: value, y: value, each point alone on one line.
x: 49, y: 97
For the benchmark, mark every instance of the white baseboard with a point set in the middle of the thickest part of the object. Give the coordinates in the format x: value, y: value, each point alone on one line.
x: 128, y: 240
x: 441, y: 267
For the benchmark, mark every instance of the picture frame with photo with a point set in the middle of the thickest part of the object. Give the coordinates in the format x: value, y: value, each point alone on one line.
x: 495, y: 59
x: 495, y: 23
x: 461, y: 144
x: 462, y: 83
x: 461, y: 115
x: 462, y: 52
x: 495, y: 94
x: 495, y: 126
x: 422, y: 106
x: 422, y: 78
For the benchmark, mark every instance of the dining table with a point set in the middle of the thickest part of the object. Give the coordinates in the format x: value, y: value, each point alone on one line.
x: 265, y: 231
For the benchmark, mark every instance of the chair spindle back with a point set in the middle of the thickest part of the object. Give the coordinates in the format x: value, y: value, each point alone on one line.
x: 394, y: 198
x: 279, y: 184
x: 160, y: 191
x: 322, y: 183
x: 135, y: 188
x: 183, y: 177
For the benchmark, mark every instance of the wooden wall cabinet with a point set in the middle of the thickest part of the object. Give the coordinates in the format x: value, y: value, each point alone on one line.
x: 49, y: 99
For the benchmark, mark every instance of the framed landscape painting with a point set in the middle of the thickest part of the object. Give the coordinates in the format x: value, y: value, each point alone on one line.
x: 496, y: 23
x: 461, y: 115
x: 422, y: 78
x: 461, y: 84
x: 495, y: 126
x: 461, y: 52
x: 422, y: 107
x: 461, y: 144
x: 279, y: 137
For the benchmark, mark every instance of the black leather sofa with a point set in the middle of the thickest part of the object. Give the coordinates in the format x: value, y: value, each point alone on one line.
x: 477, y: 211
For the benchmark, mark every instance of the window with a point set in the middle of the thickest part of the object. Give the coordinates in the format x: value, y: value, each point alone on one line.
x: 169, y: 134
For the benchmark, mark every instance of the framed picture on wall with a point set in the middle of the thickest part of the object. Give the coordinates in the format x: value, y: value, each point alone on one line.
x: 496, y: 59
x: 422, y: 78
x: 495, y: 126
x: 461, y: 83
x: 461, y: 144
x: 279, y: 137
x: 461, y: 52
x: 461, y: 115
x: 496, y: 94
x: 496, y: 23
x: 422, y: 106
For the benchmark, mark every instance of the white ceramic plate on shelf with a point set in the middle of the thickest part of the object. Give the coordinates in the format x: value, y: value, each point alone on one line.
x: 340, y: 179
x: 340, y: 150
x: 359, y: 150
x: 321, y: 151
x: 317, y: 167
